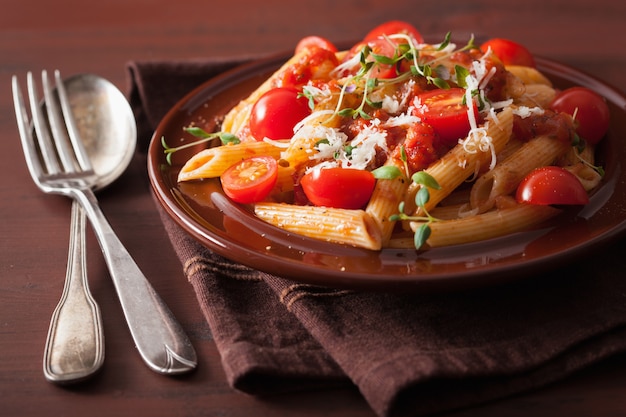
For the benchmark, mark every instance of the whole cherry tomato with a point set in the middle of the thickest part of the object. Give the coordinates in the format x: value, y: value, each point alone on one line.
x: 589, y: 110
x: 509, y: 52
x: 393, y: 27
x: 315, y: 42
x: 338, y: 187
x: 551, y: 185
x: 275, y: 113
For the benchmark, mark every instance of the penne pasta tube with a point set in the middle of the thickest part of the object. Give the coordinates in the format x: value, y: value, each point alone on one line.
x: 350, y: 227
x: 487, y: 225
x: 536, y: 95
x: 385, y: 199
x: 528, y: 75
x: 284, y: 182
x: 212, y: 162
x: 588, y: 177
x: 506, y: 175
x: 467, y: 158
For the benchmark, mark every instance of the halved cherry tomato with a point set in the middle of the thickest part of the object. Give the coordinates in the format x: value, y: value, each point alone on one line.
x: 338, y: 187
x: 250, y: 180
x: 315, y: 41
x: 393, y: 27
x: 446, y: 111
x: 509, y: 52
x: 276, y: 112
x: 551, y: 185
x: 589, y: 109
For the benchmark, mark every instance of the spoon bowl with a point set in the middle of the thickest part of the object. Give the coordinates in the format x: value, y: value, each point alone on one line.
x: 106, y: 125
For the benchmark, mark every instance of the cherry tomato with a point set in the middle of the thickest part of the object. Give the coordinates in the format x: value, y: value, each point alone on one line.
x: 338, y: 187
x: 589, y: 109
x: 446, y: 112
x: 276, y: 112
x: 509, y: 52
x: 393, y: 27
x: 551, y: 185
x: 250, y: 180
x: 315, y: 41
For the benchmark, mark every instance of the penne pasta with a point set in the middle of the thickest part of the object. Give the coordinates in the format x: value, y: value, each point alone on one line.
x: 503, y: 179
x: 528, y: 75
x: 536, y: 95
x: 350, y: 227
x: 487, y: 225
x: 385, y: 199
x: 212, y: 162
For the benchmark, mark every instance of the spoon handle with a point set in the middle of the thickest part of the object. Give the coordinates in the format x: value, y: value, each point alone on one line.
x: 75, y: 344
x: 159, y: 338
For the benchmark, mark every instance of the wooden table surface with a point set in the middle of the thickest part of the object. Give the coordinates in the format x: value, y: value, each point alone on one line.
x: 101, y: 37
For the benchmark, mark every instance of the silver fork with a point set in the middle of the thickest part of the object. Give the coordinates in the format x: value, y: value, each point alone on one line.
x: 158, y: 336
x: 75, y: 343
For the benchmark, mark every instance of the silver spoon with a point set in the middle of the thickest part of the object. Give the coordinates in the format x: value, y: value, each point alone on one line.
x: 107, y: 129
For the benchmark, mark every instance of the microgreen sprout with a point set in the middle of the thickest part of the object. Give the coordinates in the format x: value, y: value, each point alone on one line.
x: 308, y: 94
x: 204, y: 136
x: 422, y: 233
x: 579, y: 145
x: 405, y: 51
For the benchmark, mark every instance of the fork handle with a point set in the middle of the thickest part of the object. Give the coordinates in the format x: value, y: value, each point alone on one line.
x: 75, y: 344
x: 159, y: 338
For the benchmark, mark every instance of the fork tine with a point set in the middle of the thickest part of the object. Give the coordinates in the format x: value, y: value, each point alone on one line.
x: 45, y: 144
x: 70, y: 123
x: 55, y: 120
x: 24, y: 128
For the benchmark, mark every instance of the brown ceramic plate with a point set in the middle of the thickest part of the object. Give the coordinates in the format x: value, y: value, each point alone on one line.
x: 234, y: 232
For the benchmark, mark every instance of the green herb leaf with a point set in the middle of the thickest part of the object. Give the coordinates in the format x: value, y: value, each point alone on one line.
x: 421, y: 235
x: 387, y: 172
x: 446, y: 41
x: 197, y: 132
x: 422, y: 196
x: 461, y: 75
x: 424, y: 178
x: 227, y: 138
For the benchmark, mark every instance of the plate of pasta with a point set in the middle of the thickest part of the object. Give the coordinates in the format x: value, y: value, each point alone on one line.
x: 396, y: 164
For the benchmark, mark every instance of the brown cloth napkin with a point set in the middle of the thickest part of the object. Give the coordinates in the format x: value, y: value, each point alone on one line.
x: 408, y: 354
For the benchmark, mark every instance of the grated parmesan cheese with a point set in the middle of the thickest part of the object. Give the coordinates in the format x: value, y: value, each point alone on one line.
x: 524, y: 112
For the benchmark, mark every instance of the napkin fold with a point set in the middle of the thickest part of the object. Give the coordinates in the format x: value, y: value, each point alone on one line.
x: 408, y: 354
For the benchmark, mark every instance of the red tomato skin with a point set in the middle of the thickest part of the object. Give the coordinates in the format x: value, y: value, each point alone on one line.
x: 315, y: 41
x: 445, y: 111
x: 276, y: 112
x: 510, y: 52
x: 419, y: 147
x: 592, y: 114
x: 250, y: 180
x: 344, y: 188
x: 551, y: 185
x: 392, y: 27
